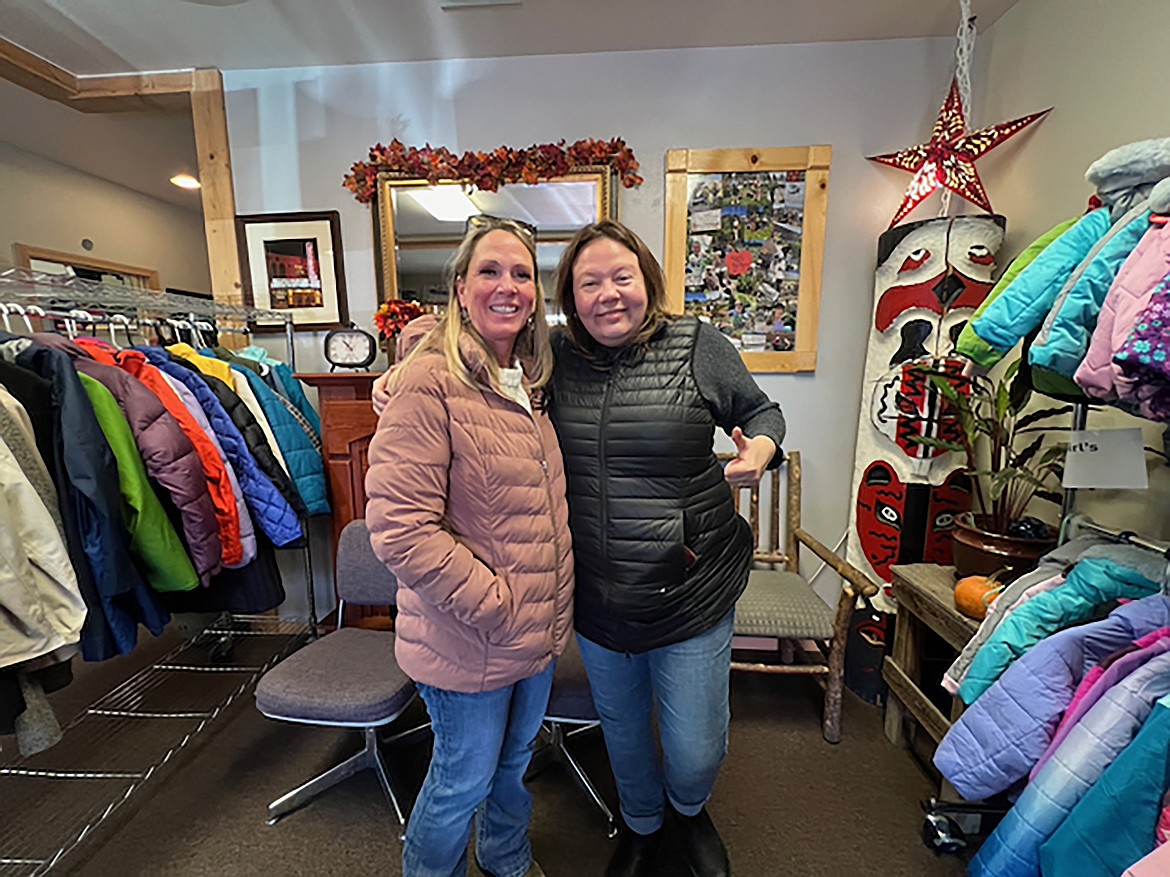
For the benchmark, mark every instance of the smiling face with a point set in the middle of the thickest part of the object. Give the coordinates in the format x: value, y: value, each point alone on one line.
x: 609, y: 292
x: 499, y: 291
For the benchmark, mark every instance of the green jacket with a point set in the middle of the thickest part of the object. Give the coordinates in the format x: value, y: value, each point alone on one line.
x: 153, y: 541
x: 970, y: 344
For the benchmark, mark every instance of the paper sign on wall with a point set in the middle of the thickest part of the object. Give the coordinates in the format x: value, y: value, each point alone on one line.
x: 1105, y: 458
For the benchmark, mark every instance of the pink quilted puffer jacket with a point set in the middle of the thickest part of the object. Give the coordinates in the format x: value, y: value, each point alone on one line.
x: 467, y: 508
x: 1142, y: 272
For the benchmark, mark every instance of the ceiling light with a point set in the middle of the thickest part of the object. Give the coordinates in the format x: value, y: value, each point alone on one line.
x: 446, y: 203
x: 185, y: 181
x: 463, y: 4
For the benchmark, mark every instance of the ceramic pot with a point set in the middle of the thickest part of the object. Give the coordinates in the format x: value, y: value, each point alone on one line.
x: 980, y: 552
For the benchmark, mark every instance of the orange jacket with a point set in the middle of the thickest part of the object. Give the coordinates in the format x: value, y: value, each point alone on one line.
x: 227, y: 514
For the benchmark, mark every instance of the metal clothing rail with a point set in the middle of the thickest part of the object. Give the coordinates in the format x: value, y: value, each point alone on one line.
x: 1071, y: 522
x: 1082, y: 522
x: 25, y: 287
x: 28, y: 294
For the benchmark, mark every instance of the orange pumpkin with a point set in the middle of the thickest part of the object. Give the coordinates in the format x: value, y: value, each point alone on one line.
x: 974, y: 593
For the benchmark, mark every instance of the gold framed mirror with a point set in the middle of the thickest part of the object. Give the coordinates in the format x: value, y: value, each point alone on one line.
x: 418, y: 225
x: 745, y: 242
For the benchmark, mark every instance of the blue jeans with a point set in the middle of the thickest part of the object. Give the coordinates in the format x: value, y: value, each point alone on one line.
x: 688, y: 683
x: 483, y: 744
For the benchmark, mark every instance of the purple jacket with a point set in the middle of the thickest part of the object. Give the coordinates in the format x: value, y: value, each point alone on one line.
x: 1102, y: 678
x: 1147, y: 266
x: 1002, y: 735
x: 170, y: 458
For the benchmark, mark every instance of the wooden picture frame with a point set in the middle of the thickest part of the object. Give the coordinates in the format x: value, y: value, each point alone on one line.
x: 293, y: 262
x: 392, y: 246
x: 744, y: 248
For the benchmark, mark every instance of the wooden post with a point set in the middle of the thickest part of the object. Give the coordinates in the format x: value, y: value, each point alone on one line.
x: 209, y: 118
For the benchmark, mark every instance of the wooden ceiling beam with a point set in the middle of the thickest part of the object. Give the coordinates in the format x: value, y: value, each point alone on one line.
x: 156, y: 91
x: 37, y: 74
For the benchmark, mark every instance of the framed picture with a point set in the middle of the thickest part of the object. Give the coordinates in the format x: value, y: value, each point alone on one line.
x: 293, y: 262
x: 745, y: 238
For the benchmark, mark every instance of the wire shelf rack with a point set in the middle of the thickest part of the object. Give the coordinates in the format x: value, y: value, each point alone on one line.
x: 53, y: 803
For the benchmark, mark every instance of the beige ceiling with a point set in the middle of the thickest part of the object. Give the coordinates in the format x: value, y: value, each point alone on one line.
x: 114, y: 36
x: 142, y: 150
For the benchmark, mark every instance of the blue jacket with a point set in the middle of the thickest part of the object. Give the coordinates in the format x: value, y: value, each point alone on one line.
x: 1027, y: 300
x: 305, y: 465
x: 1063, y: 341
x: 1113, y: 825
x: 1013, y: 849
x: 1103, y: 574
x: 270, y: 510
x: 286, y: 384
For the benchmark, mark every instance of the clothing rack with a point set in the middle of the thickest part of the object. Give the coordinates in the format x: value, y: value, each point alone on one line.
x: 26, y: 293
x: 144, y: 727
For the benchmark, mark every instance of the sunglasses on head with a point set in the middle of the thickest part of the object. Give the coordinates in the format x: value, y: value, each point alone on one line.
x: 484, y: 220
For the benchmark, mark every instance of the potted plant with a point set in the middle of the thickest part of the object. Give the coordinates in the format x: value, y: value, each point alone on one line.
x: 1009, y: 464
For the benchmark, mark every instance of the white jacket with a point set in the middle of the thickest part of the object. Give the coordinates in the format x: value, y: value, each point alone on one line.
x: 43, y: 609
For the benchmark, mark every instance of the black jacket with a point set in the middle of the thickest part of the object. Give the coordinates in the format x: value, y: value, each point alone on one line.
x: 661, y: 555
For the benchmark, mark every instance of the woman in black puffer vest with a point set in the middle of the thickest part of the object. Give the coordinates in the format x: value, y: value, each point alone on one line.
x: 661, y: 555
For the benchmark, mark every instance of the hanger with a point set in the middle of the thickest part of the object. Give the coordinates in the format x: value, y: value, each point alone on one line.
x: 123, y: 321
x: 36, y: 311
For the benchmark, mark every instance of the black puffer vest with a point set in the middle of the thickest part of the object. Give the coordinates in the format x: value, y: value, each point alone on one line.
x: 661, y: 555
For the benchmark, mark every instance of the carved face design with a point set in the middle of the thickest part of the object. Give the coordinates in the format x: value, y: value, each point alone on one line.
x: 931, y: 277
x: 881, y: 512
x: 903, y: 523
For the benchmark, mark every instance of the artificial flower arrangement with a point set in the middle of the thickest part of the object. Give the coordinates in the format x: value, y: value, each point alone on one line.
x: 392, y: 317
x: 490, y: 170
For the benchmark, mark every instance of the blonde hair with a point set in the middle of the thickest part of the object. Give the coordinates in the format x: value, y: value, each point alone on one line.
x: 532, y: 345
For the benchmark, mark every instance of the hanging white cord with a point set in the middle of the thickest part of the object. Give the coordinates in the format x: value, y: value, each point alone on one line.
x: 964, y: 52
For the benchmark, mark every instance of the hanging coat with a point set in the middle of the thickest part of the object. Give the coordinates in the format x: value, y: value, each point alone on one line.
x: 247, y: 531
x: 153, y: 540
x: 90, y: 509
x: 43, y: 609
x: 1112, y: 826
x: 170, y: 459
x: 999, y: 739
x: 305, y: 465
x: 1013, y: 849
x: 270, y: 510
x: 227, y: 516
x: 1103, y: 574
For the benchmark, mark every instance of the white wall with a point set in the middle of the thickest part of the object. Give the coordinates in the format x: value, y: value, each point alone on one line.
x: 1099, y: 64
x: 51, y: 206
x: 295, y: 133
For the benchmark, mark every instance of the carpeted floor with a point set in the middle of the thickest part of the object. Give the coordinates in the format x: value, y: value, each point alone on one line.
x: 787, y: 803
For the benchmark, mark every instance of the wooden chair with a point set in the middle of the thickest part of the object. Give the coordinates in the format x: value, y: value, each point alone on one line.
x: 780, y: 605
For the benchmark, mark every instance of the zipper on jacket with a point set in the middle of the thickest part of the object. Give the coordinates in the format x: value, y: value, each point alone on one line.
x: 551, y: 511
x: 603, y: 469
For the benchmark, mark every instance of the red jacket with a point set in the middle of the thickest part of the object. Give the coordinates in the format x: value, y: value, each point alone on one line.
x: 467, y: 508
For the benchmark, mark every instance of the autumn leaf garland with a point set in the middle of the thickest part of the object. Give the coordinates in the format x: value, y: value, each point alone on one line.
x: 490, y: 170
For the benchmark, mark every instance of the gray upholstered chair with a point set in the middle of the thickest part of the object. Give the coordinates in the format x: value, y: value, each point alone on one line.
x: 570, y: 712
x: 346, y: 679
x: 780, y: 617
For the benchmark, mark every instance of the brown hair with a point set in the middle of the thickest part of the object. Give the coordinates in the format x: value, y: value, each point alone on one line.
x: 655, y: 282
x: 532, y: 344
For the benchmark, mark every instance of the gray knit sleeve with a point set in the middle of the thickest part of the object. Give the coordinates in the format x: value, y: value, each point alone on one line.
x: 731, y: 392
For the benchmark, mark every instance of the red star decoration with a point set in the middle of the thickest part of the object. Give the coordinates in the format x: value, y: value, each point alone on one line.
x: 948, y: 158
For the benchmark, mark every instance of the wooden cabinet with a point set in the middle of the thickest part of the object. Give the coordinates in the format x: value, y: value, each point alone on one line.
x: 347, y: 425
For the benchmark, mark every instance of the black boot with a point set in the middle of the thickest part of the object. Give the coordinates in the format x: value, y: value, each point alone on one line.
x: 702, y: 845
x: 635, y: 854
